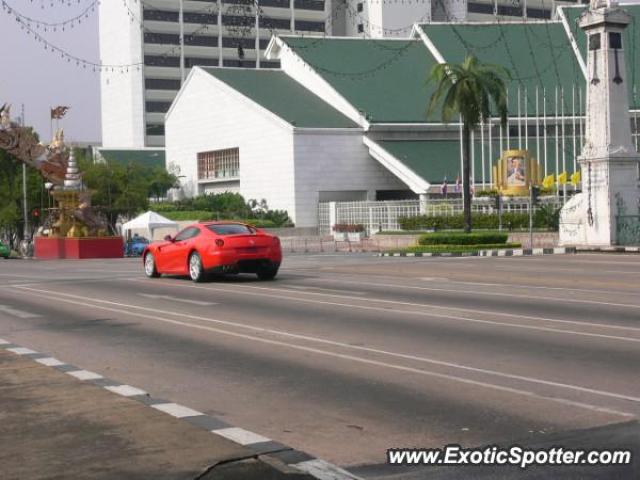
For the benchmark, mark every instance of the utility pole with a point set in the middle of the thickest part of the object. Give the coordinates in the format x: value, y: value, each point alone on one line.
x: 25, y: 232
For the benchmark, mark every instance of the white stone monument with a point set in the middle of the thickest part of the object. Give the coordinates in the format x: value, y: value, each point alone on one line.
x: 609, y: 160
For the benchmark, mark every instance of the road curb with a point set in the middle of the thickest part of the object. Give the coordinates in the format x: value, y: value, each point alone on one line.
x: 258, y: 444
x: 609, y: 249
x: 516, y: 252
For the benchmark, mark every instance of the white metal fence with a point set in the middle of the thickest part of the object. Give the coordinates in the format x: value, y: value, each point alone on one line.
x: 384, y: 215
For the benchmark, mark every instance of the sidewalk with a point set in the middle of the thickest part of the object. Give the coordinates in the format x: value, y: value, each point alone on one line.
x: 54, y: 426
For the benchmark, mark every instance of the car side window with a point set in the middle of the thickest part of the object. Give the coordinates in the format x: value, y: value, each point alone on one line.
x: 187, y: 233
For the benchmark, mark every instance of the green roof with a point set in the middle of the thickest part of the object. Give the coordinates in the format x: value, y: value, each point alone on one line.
x: 631, y: 43
x: 283, y: 96
x: 384, y: 79
x: 536, y: 54
x: 146, y: 158
x: 437, y: 160
x: 433, y: 160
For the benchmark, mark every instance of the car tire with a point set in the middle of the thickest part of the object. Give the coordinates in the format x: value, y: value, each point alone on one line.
x: 196, y: 271
x: 150, y: 268
x: 267, y: 273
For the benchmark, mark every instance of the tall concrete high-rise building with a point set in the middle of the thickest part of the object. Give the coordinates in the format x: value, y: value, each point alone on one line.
x: 149, y: 46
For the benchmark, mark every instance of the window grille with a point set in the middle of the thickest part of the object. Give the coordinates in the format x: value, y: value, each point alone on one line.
x: 219, y: 164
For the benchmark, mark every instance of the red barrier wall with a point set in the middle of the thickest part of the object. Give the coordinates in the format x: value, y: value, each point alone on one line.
x: 78, y: 248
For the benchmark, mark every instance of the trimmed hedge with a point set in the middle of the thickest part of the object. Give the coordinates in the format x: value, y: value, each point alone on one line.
x: 204, y: 216
x: 542, y: 219
x: 457, y: 248
x: 454, y: 238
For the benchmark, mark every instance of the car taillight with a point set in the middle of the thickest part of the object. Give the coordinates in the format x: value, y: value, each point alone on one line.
x: 219, y: 242
x: 276, y: 241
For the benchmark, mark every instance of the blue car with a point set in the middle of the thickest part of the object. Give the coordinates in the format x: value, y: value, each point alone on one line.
x: 135, y: 246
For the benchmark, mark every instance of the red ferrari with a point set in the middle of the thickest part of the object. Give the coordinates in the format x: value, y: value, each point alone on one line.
x: 215, y: 247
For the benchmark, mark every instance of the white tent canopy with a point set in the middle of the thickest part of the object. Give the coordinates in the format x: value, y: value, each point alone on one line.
x: 148, y: 221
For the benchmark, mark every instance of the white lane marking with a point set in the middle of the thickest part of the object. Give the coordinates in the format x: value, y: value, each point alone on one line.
x: 475, y: 292
x: 241, y: 436
x: 177, y: 299
x: 50, y: 361
x: 126, y: 390
x: 21, y: 350
x: 175, y: 410
x: 359, y: 359
x: 17, y: 313
x: 442, y: 315
x: 301, y: 287
x: 4, y: 342
x: 520, y: 285
x: 85, y: 375
x: 324, y: 470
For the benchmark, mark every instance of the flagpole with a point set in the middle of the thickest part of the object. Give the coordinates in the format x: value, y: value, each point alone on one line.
x: 490, y: 153
x: 564, y: 149
x: 573, y: 120
x: 473, y: 157
x: 508, y: 132
x: 555, y: 131
x: 482, y: 153
x: 537, y: 129
x: 526, y: 120
x: 519, y: 122
x: 544, y: 127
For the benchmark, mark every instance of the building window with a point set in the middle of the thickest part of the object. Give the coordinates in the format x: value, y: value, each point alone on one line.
x: 309, y: 26
x: 158, y: 107
x: 162, y: 84
x: 360, y: 28
x: 360, y: 7
x: 155, y: 130
x: 219, y: 164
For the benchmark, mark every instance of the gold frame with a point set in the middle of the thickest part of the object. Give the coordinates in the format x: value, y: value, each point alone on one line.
x: 531, y: 172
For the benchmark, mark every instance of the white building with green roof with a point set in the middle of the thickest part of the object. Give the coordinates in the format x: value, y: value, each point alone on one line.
x: 344, y: 118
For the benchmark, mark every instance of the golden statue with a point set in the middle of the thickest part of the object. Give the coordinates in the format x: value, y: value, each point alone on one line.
x: 75, y: 217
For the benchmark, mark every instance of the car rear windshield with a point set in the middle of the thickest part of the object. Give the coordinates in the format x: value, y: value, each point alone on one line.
x: 231, y: 229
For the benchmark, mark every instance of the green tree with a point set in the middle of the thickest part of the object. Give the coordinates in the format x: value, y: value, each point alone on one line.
x: 470, y: 89
x: 11, y: 197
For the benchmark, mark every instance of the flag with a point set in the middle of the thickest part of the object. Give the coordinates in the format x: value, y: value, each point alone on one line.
x: 548, y: 181
x: 59, y: 112
x: 575, y: 178
x: 562, y: 178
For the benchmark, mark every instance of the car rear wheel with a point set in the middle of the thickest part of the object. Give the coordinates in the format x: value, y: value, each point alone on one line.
x: 196, y: 272
x: 267, y: 273
x: 150, y: 266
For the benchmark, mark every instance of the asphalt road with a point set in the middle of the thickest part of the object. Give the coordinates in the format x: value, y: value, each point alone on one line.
x: 345, y: 356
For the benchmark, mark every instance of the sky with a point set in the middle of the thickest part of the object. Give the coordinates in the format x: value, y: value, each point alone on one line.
x: 40, y: 79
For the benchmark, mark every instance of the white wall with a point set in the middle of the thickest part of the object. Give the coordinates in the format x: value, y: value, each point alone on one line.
x: 331, y: 161
x: 122, y: 94
x: 208, y: 115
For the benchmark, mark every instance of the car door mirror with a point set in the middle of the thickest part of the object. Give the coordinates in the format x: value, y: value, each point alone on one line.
x: 168, y: 238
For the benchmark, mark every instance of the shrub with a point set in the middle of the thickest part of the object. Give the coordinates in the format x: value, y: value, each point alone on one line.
x: 482, y: 221
x: 348, y: 227
x: 453, y: 238
x: 459, y: 248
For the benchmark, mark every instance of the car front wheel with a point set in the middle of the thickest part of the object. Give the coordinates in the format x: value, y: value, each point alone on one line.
x: 150, y: 266
x: 196, y: 272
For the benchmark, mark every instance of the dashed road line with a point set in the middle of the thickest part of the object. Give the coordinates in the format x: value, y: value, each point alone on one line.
x: 262, y: 446
x: 367, y: 361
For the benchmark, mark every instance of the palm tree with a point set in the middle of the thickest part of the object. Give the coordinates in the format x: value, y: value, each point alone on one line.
x: 470, y: 89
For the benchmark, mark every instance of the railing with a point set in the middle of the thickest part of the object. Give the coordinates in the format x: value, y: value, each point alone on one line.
x: 384, y: 215
x: 628, y: 230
